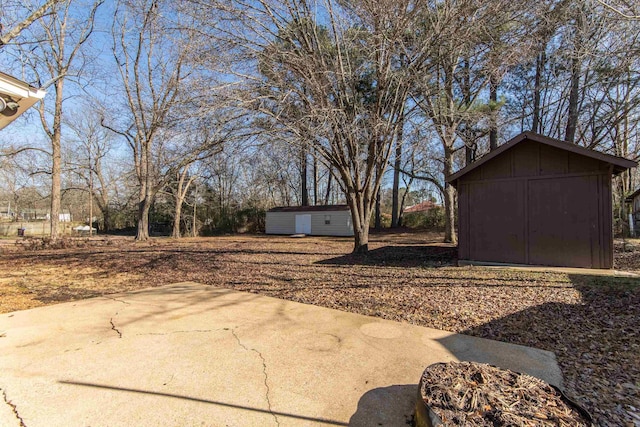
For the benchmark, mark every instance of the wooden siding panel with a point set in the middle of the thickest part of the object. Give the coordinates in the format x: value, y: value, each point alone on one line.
x: 500, y: 167
x: 475, y: 175
x: 526, y: 159
x: 578, y: 163
x: 463, y: 221
x: 496, y: 222
x: 606, y: 221
x: 563, y: 221
x: 553, y: 161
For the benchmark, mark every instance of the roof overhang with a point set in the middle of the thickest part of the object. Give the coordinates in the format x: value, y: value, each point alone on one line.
x: 619, y: 164
x: 16, y: 98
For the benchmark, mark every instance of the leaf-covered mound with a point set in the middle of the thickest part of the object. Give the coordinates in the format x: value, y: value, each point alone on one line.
x: 476, y: 394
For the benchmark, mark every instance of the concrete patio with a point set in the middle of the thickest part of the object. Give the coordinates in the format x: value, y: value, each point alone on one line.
x: 189, y: 354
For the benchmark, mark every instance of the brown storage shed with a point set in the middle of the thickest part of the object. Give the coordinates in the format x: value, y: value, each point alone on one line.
x: 538, y: 201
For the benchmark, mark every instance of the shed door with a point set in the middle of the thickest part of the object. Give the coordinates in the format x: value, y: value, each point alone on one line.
x: 563, y: 222
x: 303, y: 224
x: 496, y: 222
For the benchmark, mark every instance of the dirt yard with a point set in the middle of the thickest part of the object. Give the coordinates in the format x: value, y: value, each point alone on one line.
x: 591, y: 323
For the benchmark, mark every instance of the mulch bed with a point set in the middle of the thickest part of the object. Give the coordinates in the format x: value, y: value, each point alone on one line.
x: 479, y: 395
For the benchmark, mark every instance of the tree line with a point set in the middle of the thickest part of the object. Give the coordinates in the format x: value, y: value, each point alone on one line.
x: 249, y: 104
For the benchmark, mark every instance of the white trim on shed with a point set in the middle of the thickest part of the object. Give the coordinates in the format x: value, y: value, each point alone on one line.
x: 324, y: 221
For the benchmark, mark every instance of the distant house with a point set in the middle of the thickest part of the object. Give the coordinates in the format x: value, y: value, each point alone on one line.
x: 329, y: 220
x: 539, y: 201
x: 29, y: 214
x: 65, y: 217
x: 5, y: 211
x: 33, y: 214
x: 421, y: 207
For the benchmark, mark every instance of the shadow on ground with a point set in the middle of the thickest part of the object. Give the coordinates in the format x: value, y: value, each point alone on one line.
x: 597, y: 343
x: 298, y: 417
x: 401, y: 256
x: 386, y: 406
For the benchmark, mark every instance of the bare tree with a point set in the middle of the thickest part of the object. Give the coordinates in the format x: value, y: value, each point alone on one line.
x: 464, y: 63
x: 89, y: 159
x: 8, y: 35
x: 153, y: 48
x: 53, y: 61
x: 184, y: 179
x: 334, y: 85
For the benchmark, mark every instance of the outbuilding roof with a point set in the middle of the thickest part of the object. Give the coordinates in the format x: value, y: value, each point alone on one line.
x: 619, y: 164
x: 421, y: 207
x: 321, y: 208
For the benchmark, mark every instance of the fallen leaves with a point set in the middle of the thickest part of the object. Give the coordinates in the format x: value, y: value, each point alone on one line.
x: 591, y: 323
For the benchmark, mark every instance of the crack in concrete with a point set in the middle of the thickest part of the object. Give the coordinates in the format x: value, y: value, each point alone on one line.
x: 113, y: 327
x: 13, y: 408
x: 179, y: 332
x: 117, y: 300
x: 264, y: 371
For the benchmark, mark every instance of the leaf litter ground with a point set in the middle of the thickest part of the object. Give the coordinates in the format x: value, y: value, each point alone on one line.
x: 591, y: 323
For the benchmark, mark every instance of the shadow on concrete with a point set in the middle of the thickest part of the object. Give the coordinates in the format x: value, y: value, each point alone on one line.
x: 207, y: 401
x: 177, y: 298
x: 401, y: 256
x: 391, y: 406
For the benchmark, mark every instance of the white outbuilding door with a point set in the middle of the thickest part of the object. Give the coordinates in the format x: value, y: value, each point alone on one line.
x: 303, y: 224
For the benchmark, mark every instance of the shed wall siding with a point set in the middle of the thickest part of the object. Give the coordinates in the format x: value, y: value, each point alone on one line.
x: 540, y: 205
x: 285, y: 223
x: 532, y: 159
x: 280, y: 223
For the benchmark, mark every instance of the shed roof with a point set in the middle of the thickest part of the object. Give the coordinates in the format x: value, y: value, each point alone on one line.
x: 619, y: 164
x: 321, y: 208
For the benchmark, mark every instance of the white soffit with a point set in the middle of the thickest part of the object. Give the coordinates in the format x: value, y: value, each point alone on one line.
x: 13, y: 90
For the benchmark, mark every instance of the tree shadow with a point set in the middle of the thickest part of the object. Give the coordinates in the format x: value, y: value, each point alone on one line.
x: 297, y: 417
x: 401, y: 256
x: 391, y: 406
x: 596, y: 342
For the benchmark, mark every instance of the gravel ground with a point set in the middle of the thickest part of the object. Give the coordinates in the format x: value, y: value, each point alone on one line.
x: 590, y: 322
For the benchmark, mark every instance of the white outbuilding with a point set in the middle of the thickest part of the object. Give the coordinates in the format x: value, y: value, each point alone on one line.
x: 328, y: 220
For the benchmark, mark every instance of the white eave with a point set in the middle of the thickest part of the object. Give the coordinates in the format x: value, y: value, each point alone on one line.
x: 12, y: 89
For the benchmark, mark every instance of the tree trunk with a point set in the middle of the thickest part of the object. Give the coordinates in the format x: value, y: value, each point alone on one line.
x: 106, y: 220
x: 467, y: 133
x: 493, y: 99
x: 449, y: 200
x: 395, y: 208
x: 328, y: 193
x: 315, y: 181
x: 378, y: 213
x: 361, y: 245
x: 537, y: 90
x: 55, y: 190
x: 303, y: 177
x: 576, y: 71
x: 143, y: 219
x: 176, y: 219
x: 572, y: 114
x: 360, y: 217
x: 56, y: 160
